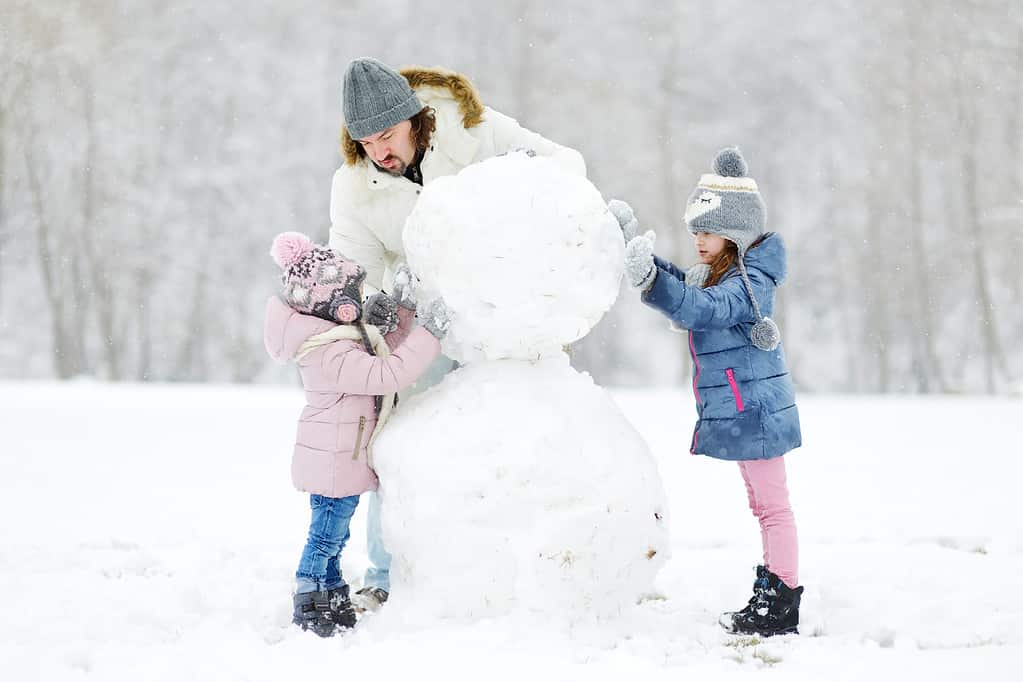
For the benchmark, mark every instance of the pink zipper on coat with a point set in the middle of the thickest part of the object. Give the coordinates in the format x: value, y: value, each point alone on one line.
x: 735, y: 389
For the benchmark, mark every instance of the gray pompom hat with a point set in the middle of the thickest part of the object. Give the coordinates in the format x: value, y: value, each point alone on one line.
x: 375, y: 97
x: 727, y: 203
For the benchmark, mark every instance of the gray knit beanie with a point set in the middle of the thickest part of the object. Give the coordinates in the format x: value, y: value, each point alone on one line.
x: 375, y: 97
x: 728, y: 203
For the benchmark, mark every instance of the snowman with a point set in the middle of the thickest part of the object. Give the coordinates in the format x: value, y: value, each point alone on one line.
x: 517, y: 485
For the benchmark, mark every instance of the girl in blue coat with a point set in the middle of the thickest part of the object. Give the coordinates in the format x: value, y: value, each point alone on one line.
x: 745, y: 400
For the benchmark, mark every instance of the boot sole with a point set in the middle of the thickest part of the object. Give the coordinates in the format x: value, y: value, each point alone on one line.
x: 759, y: 633
x: 729, y: 626
x: 320, y: 630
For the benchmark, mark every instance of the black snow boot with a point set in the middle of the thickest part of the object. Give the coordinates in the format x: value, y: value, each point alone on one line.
x: 341, y: 610
x: 772, y: 610
x: 312, y: 612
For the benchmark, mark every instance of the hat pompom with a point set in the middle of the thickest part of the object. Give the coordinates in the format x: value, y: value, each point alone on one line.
x: 289, y: 247
x: 765, y: 334
x: 730, y: 164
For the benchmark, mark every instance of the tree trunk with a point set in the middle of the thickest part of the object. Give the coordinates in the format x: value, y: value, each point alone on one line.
x: 874, y: 285
x: 143, y: 292
x: 191, y: 364
x: 3, y: 185
x: 99, y: 269
x: 66, y: 347
x: 1015, y: 115
x: 928, y: 360
x: 674, y: 200
x: 994, y: 358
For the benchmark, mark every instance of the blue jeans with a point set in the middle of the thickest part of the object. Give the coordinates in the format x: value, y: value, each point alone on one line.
x: 379, y: 572
x: 320, y: 566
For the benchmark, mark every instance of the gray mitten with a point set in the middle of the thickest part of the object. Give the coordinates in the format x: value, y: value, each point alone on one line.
x: 639, y: 260
x: 625, y: 217
x: 436, y: 320
x: 405, y: 287
x: 381, y: 311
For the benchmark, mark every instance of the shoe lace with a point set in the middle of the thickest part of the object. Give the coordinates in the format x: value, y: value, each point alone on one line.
x: 761, y: 596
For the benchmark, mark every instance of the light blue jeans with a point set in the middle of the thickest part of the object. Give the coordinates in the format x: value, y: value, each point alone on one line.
x: 379, y: 572
x: 320, y: 567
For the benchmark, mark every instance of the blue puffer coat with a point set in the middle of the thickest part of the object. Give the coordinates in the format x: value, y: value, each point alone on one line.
x: 744, y: 396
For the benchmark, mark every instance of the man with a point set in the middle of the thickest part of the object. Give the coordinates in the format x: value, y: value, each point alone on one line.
x: 402, y: 131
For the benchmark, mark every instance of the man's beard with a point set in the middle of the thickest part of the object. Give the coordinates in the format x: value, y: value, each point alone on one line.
x: 397, y: 171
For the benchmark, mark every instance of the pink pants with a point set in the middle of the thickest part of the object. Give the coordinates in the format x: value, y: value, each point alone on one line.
x: 769, y: 502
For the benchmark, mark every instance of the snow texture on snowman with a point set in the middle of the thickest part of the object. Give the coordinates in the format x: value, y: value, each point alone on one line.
x: 517, y: 485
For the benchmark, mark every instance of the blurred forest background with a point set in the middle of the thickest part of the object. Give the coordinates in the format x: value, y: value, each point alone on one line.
x: 149, y: 152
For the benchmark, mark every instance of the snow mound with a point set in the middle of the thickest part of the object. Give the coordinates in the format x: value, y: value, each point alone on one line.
x: 546, y: 272
x: 518, y: 485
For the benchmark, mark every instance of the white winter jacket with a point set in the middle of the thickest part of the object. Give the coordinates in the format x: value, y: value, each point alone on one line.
x: 368, y: 207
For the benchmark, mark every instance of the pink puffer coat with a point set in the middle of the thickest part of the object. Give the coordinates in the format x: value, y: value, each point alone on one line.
x: 340, y: 380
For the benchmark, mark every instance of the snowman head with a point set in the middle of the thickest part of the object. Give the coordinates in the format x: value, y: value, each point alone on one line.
x: 526, y: 256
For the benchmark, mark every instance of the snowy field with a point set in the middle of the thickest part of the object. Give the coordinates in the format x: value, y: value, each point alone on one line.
x: 151, y: 533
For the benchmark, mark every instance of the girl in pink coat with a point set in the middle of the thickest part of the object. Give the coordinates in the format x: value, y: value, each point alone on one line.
x: 351, y: 372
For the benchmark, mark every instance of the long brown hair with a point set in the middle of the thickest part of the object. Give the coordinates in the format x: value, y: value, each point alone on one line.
x: 725, y: 260
x: 423, y: 126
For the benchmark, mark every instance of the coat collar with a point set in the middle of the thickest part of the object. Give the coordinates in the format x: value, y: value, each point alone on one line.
x: 451, y: 138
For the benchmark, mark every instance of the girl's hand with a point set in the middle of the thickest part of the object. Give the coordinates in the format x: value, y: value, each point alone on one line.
x: 639, y: 261
x: 381, y: 311
x: 625, y: 217
x: 436, y: 319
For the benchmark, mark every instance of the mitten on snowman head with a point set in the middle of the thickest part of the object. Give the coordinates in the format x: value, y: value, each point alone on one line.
x: 727, y: 203
x: 317, y: 279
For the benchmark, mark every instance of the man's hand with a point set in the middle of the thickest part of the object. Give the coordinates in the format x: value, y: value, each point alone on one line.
x: 625, y: 217
x: 436, y: 320
x: 525, y: 150
x: 405, y: 287
x: 381, y: 311
x: 639, y: 261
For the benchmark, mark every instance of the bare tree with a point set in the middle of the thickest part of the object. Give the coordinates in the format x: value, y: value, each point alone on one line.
x: 927, y: 359
x: 994, y: 356
x: 61, y: 275
x: 99, y: 267
x: 3, y: 187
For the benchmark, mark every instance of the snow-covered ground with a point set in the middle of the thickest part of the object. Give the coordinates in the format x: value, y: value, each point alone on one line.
x: 151, y: 532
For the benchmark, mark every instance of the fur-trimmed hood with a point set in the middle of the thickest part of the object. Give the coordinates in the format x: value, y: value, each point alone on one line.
x: 431, y: 84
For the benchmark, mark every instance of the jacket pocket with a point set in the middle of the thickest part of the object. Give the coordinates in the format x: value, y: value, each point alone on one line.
x: 358, y: 438
x: 735, y: 390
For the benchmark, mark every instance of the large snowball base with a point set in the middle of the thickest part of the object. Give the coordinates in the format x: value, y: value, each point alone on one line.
x: 516, y: 485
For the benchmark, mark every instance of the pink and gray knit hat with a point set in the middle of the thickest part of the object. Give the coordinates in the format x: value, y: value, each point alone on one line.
x: 317, y: 279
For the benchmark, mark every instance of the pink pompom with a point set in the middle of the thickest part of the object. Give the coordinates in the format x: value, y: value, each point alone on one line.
x: 347, y: 313
x: 288, y: 247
